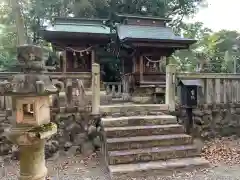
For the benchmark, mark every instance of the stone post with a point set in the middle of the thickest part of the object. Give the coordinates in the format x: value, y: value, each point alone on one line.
x: 125, y: 82
x: 170, y: 86
x: 95, y: 89
x: 32, y: 162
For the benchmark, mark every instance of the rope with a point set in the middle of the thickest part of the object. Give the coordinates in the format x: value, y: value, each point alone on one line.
x: 153, y: 61
x: 81, y: 51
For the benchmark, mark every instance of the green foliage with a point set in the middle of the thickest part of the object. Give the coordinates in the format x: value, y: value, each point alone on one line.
x: 213, y: 49
x: 176, y: 9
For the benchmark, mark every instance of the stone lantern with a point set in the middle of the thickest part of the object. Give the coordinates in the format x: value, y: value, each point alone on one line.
x: 31, y: 124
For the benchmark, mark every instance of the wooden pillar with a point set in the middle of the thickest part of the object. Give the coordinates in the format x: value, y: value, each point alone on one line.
x: 141, y: 68
x: 134, y: 64
x: 2, y: 102
x: 234, y: 91
x: 69, y: 92
x: 123, y: 68
x: 225, y: 91
x: 209, y: 91
x: 93, y: 56
x: 238, y: 91
x: 122, y: 77
x: 125, y: 94
x: 218, y: 91
x: 64, y: 62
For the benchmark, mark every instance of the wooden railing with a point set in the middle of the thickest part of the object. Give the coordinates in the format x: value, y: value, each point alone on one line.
x: 53, y: 75
x: 127, y: 81
x: 114, y: 89
x: 216, y: 88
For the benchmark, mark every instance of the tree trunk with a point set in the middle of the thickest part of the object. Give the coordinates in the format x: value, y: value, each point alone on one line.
x: 21, y: 38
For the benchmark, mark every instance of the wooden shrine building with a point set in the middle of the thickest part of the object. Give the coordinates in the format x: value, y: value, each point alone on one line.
x: 149, y: 42
x: 143, y: 44
x: 78, y: 40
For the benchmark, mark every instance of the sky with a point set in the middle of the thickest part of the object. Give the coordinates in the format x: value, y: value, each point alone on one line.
x: 220, y: 14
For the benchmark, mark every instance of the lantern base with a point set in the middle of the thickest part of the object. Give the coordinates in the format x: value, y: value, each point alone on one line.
x: 31, y: 142
x: 32, y: 162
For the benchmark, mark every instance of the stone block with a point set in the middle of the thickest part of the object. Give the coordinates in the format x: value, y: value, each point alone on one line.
x: 130, y: 171
x: 139, y: 121
x: 152, y: 154
x: 132, y: 131
x: 147, y: 141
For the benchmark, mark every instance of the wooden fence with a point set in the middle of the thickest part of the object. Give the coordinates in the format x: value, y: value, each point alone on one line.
x: 53, y: 75
x: 216, y: 88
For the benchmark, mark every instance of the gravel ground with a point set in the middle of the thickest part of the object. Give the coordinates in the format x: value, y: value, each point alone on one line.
x: 64, y: 167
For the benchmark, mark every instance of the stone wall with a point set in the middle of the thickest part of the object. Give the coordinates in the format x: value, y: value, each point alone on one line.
x: 213, y: 121
x: 77, y: 133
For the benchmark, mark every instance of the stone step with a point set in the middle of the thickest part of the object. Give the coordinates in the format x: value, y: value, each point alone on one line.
x: 132, y: 131
x: 2, y: 114
x: 152, y: 154
x: 130, y: 109
x: 153, y: 168
x: 139, y: 121
x: 126, y: 143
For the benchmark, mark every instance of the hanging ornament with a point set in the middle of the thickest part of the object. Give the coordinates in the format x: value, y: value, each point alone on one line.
x: 81, y: 53
x: 147, y: 64
x: 74, y: 53
x: 75, y: 64
x: 87, y: 52
x: 155, y: 65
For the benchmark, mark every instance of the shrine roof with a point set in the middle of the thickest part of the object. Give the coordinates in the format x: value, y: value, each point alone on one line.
x: 62, y: 27
x: 149, y: 33
x: 142, y: 17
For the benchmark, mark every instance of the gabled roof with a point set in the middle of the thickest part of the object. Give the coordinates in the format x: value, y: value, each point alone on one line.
x: 142, y: 17
x: 77, y: 27
x: 148, y: 34
x: 91, y: 30
x: 80, y: 25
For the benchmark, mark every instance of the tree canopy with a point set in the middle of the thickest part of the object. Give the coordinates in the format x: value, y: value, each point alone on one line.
x: 214, y: 49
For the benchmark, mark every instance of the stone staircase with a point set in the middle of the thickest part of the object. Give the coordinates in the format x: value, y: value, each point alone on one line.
x: 147, y: 145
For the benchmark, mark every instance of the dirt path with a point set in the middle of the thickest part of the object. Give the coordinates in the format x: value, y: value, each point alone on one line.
x: 73, y: 168
x: 63, y: 167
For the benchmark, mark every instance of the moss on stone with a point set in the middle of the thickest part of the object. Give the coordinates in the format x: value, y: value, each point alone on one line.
x: 44, y: 128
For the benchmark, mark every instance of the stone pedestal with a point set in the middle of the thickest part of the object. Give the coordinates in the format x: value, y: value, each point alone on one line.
x: 31, y: 144
x: 32, y: 161
x: 143, y: 95
x: 142, y: 99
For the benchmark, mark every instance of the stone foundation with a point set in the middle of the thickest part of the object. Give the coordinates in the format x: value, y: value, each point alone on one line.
x: 142, y: 96
x: 214, y: 121
x: 104, y: 97
x: 76, y: 134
